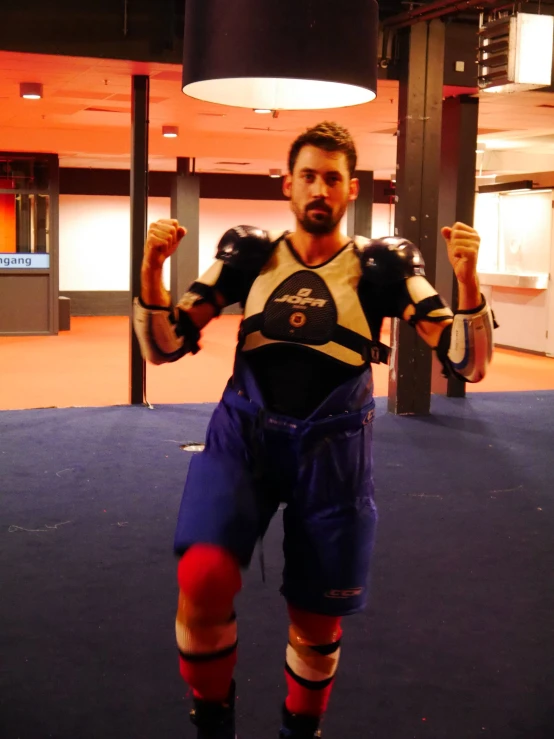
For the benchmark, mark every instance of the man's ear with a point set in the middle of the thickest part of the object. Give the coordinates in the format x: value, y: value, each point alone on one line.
x: 287, y: 185
x: 354, y: 189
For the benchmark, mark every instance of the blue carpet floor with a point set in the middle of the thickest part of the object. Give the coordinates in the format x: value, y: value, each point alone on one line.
x: 458, y: 642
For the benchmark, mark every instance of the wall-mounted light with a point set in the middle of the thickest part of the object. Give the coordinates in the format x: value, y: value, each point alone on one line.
x: 275, y: 173
x: 293, y: 56
x: 30, y: 90
x: 170, y: 132
x: 515, y: 53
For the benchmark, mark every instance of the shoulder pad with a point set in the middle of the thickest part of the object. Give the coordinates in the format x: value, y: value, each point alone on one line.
x: 389, y: 260
x: 245, y: 247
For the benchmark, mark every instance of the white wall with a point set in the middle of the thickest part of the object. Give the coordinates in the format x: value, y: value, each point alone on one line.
x: 382, y: 223
x: 522, y: 318
x: 94, y: 240
x: 95, y: 234
x: 217, y: 216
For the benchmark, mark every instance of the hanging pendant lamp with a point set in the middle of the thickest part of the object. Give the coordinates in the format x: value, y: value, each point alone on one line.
x: 281, y: 54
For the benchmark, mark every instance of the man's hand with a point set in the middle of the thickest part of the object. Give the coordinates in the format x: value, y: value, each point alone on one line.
x: 463, y: 242
x: 463, y: 248
x: 162, y: 241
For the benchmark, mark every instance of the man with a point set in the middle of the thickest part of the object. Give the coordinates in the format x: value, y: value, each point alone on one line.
x: 295, y: 421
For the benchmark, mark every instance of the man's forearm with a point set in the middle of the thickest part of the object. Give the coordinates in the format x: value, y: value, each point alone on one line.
x: 469, y: 295
x: 152, y: 290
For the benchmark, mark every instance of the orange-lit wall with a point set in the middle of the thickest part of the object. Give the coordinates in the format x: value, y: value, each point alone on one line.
x: 7, y: 221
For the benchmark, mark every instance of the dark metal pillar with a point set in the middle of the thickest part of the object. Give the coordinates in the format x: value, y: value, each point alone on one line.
x: 417, y: 187
x: 359, y: 214
x: 185, y: 207
x: 54, y: 240
x: 139, y: 206
x: 456, y: 203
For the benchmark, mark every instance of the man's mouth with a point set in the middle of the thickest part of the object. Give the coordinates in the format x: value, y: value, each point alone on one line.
x: 319, y: 211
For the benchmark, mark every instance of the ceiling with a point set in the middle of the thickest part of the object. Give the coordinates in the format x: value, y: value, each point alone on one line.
x: 85, y: 117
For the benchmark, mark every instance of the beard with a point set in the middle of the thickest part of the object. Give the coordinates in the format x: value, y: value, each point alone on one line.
x: 321, y: 223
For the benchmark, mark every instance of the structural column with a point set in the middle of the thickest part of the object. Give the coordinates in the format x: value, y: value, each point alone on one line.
x: 456, y: 203
x: 50, y: 229
x: 358, y: 217
x: 139, y: 208
x: 185, y: 207
x: 417, y: 187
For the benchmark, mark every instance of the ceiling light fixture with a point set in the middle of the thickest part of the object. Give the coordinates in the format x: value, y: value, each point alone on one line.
x: 170, y: 132
x: 262, y: 111
x: 30, y: 90
x: 275, y: 173
x: 515, y: 53
x: 519, y: 186
x: 285, y: 60
x: 499, y: 144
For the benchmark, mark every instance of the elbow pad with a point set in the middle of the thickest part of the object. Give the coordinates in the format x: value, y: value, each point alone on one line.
x: 466, y: 346
x: 164, y: 334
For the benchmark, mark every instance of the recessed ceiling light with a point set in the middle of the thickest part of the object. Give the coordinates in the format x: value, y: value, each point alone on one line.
x: 170, y: 132
x: 275, y: 173
x: 30, y: 90
x: 263, y: 111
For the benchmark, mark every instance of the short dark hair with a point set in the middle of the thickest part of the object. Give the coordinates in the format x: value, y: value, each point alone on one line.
x: 328, y: 136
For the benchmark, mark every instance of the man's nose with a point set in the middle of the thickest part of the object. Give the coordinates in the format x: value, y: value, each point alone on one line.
x: 320, y: 189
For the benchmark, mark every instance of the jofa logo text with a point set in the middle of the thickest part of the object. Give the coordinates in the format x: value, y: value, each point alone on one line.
x: 302, y: 297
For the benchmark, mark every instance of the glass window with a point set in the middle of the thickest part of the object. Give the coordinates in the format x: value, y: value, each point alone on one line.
x: 24, y: 173
x: 24, y: 231
x: 24, y: 212
x: 515, y: 229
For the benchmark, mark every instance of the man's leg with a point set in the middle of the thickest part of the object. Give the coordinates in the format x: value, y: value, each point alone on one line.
x: 221, y: 517
x: 329, y: 532
x: 209, y: 579
x: 312, y: 659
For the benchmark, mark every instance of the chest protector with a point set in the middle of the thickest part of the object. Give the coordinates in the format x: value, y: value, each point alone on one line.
x: 316, y: 307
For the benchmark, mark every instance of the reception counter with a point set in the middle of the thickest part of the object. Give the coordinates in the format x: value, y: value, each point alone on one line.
x: 520, y: 304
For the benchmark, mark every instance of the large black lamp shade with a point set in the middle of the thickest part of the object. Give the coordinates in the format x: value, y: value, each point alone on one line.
x: 281, y: 54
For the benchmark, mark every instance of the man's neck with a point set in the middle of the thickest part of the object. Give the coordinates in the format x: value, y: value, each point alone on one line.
x: 314, y: 249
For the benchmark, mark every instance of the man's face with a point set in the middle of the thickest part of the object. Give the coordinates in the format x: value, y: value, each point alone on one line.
x: 320, y: 189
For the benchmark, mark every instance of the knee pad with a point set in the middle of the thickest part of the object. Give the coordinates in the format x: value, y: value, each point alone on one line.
x: 314, y: 627
x: 314, y: 648
x: 208, y: 576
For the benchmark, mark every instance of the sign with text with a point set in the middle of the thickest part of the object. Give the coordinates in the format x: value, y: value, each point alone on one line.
x: 12, y: 260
